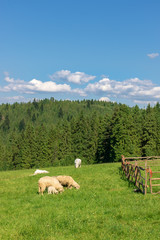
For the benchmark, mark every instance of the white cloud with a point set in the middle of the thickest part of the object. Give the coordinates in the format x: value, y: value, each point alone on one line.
x: 102, y: 85
x: 11, y: 80
x: 131, y: 89
x: 77, y: 77
x: 153, y: 55
x: 153, y: 92
x: 36, y: 85
x: 104, y: 99
x: 33, y: 86
x: 145, y: 103
x: 79, y: 91
x: 8, y: 79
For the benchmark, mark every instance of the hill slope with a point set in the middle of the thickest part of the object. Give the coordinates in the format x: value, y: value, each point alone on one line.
x: 105, y: 207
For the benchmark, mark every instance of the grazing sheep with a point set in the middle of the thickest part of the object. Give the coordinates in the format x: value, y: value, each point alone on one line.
x: 47, y: 182
x: 52, y: 190
x: 68, y: 182
x: 39, y: 172
x: 77, y: 162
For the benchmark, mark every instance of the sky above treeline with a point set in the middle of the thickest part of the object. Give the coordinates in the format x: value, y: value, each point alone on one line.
x: 73, y: 50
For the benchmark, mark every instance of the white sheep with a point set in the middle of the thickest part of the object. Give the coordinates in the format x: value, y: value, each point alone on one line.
x: 47, y: 182
x: 77, y: 162
x: 68, y: 182
x: 38, y: 171
x: 52, y: 190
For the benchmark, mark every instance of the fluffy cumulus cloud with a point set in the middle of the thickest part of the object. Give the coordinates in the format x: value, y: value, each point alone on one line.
x: 77, y: 77
x: 132, y: 90
x: 104, y: 99
x: 153, y: 55
x: 34, y: 86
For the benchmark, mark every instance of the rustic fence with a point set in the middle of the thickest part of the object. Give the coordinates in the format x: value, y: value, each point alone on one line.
x: 144, y: 172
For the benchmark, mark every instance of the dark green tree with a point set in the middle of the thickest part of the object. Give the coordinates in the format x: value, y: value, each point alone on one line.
x: 149, y: 139
x: 28, y: 150
x: 157, y: 115
x: 60, y: 113
x: 42, y: 146
x: 53, y: 147
x: 65, y: 144
x: 104, y: 137
x: 6, y: 123
x: 22, y: 125
x: 34, y: 117
x: 123, y: 137
x: 0, y: 116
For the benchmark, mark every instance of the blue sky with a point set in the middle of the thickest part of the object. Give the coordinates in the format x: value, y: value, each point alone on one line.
x: 104, y: 49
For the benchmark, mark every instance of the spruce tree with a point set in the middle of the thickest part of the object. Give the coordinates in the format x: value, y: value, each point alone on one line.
x: 149, y: 139
x: 28, y: 150
x: 157, y: 115
x: 123, y: 135
x: 42, y: 146
x: 65, y: 144
x: 53, y: 146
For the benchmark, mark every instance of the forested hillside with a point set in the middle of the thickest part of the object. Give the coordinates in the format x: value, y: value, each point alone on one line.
x: 50, y: 132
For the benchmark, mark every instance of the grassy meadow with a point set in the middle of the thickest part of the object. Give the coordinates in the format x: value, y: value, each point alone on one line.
x: 105, y: 207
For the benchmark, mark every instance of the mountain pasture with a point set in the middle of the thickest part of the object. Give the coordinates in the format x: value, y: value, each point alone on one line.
x: 105, y: 206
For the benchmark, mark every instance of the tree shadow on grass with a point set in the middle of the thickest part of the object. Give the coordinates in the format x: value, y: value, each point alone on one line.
x: 131, y: 185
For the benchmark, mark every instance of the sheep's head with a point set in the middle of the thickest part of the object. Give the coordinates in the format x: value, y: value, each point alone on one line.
x: 77, y: 186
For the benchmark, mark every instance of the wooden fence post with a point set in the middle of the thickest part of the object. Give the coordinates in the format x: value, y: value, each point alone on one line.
x: 132, y: 173
x: 123, y: 162
x: 150, y: 180
x: 145, y: 177
x: 135, y: 173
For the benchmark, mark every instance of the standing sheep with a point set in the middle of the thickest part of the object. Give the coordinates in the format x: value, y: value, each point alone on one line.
x: 47, y: 182
x: 68, y: 182
x: 77, y: 162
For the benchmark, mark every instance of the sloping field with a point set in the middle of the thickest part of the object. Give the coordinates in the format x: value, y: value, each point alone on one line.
x: 105, y: 207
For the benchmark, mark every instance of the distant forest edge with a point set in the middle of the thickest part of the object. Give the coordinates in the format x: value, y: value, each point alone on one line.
x: 51, y: 133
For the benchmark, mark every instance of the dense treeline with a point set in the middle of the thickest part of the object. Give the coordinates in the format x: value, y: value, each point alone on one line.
x: 49, y: 132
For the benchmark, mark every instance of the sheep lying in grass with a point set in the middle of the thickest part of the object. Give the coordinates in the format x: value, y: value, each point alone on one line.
x: 52, y: 190
x: 47, y: 182
x: 77, y: 162
x: 38, y: 171
x: 68, y: 182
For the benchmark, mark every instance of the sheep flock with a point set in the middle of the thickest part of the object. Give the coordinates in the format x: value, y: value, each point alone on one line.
x: 56, y: 184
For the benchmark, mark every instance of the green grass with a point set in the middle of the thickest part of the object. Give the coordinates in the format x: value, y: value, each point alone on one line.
x: 105, y: 207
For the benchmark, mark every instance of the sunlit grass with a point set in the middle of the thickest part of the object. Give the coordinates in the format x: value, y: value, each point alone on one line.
x: 105, y: 207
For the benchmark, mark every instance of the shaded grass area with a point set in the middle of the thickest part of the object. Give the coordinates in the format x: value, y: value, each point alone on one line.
x: 105, y: 207
x: 154, y: 166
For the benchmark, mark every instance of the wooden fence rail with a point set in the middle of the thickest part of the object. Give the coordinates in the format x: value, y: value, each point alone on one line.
x: 140, y: 175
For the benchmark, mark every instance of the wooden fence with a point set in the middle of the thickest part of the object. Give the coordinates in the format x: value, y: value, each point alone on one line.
x: 140, y: 171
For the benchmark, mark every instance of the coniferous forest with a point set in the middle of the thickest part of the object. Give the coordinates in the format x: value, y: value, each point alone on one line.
x: 50, y: 133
